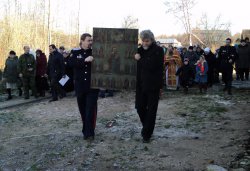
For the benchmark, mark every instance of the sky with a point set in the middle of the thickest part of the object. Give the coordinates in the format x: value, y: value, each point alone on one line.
x: 150, y: 13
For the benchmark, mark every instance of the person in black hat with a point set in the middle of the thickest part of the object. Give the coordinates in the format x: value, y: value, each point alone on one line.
x: 243, y: 62
x: 199, y: 51
x: 247, y: 40
x: 87, y: 97
x: 185, y: 73
x: 10, y: 73
x: 193, y: 58
x: 226, y: 57
x: 211, y: 61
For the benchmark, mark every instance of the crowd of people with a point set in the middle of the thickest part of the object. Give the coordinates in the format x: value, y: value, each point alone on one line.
x: 194, y: 65
x: 182, y: 67
x: 155, y: 63
x: 37, y: 73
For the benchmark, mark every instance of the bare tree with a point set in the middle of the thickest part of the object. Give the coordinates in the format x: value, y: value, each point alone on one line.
x: 181, y: 9
x: 78, y: 18
x: 212, y: 33
x: 33, y: 22
x: 130, y: 22
x: 48, y: 26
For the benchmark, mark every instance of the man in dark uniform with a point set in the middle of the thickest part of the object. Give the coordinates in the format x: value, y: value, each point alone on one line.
x: 150, y: 59
x: 56, y: 71
x: 247, y: 40
x: 226, y: 57
x: 86, y: 97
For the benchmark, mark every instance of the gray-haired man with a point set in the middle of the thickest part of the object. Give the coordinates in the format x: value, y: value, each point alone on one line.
x: 150, y: 59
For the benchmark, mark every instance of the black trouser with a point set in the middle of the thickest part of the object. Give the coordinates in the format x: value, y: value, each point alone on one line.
x: 29, y: 83
x: 147, y: 105
x: 41, y: 84
x: 184, y: 84
x: 244, y: 73
x: 56, y: 88
x: 216, y: 76
x: 87, y: 104
x: 203, y: 86
x: 210, y: 77
x: 227, y: 77
x: 237, y: 70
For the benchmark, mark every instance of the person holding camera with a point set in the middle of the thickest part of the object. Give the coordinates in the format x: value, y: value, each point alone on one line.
x: 27, y: 72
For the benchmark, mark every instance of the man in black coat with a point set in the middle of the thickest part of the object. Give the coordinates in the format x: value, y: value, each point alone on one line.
x: 199, y: 51
x: 211, y: 61
x: 86, y: 97
x: 193, y: 58
x: 150, y: 59
x: 69, y: 86
x: 55, y: 71
x: 243, y: 62
x: 185, y: 73
x: 227, y: 56
x: 247, y: 41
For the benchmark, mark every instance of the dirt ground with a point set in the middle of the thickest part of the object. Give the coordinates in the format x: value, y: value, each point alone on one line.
x: 191, y: 132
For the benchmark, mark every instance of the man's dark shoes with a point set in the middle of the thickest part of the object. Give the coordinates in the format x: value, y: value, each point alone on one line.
x: 91, y: 138
x: 20, y: 92
x: 9, y: 98
x: 53, y: 100
x: 146, y: 140
x: 42, y: 94
x: 62, y: 96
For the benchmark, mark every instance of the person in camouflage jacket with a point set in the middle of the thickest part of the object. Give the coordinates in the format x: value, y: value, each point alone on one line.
x: 27, y: 71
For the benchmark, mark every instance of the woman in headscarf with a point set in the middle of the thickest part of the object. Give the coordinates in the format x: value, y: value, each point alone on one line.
x: 41, y: 68
x: 10, y: 74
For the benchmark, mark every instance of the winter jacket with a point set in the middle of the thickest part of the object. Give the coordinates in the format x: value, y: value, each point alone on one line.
x: 10, y: 71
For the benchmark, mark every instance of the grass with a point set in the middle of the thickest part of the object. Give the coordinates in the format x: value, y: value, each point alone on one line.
x: 6, y: 118
x: 217, y: 109
x: 1, y: 148
x: 34, y: 168
x: 198, y: 110
x: 65, y: 123
x: 167, y: 126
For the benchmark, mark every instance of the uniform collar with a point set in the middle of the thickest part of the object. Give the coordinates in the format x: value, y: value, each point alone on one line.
x: 85, y: 50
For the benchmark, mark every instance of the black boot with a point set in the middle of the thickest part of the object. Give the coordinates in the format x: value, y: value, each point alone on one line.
x: 20, y: 92
x: 200, y: 87
x: 42, y: 94
x: 9, y: 94
x: 186, y: 90
x: 205, y: 88
x: 229, y: 91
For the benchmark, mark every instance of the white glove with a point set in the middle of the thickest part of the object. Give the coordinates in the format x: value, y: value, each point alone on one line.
x: 89, y: 59
x: 137, y: 56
